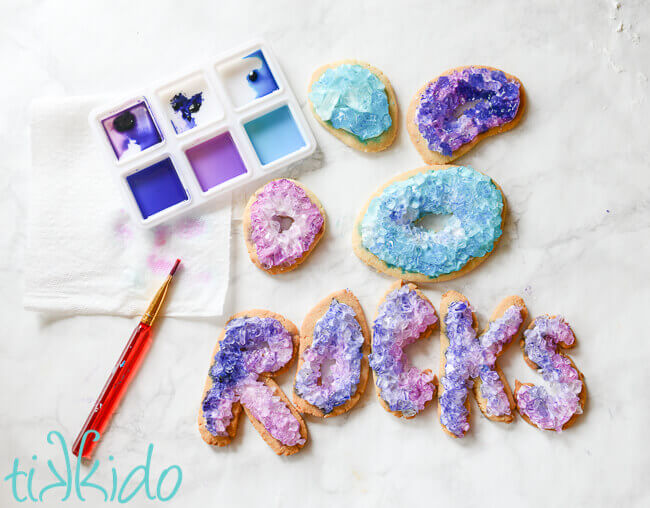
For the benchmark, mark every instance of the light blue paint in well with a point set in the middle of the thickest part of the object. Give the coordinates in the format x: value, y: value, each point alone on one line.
x: 274, y: 135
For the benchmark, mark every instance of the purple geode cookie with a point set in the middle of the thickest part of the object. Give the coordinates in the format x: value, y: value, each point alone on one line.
x: 457, y: 107
x: 402, y: 318
x: 337, y: 341
x: 285, y: 224
x: 550, y: 407
x: 251, y: 346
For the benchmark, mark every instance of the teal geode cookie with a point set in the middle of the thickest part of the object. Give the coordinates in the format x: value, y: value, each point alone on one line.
x: 387, y: 234
x: 356, y: 103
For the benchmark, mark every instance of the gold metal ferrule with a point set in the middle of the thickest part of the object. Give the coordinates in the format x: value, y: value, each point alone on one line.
x: 156, y: 304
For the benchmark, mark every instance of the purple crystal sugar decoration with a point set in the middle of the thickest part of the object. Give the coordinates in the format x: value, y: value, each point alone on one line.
x: 274, y: 245
x: 489, y: 100
x: 500, y: 332
x: 462, y: 361
x: 337, y: 339
x: 402, y: 318
x: 552, y: 406
x: 251, y: 346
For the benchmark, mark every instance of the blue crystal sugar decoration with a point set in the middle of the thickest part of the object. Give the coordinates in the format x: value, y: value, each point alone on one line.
x: 389, y: 229
x: 352, y: 98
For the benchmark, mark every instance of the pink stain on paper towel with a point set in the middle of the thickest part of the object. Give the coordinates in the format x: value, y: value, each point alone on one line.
x: 159, y: 261
x: 122, y: 226
x: 159, y: 264
x: 187, y: 228
x: 160, y: 235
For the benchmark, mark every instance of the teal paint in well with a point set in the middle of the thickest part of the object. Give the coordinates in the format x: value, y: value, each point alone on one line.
x: 274, y: 135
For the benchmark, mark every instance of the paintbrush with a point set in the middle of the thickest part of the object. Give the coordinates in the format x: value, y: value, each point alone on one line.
x: 123, y: 373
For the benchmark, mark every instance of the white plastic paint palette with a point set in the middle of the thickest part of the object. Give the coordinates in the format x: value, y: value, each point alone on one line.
x: 178, y: 144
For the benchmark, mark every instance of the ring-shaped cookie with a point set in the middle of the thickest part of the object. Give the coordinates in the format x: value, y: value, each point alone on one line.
x: 332, y: 362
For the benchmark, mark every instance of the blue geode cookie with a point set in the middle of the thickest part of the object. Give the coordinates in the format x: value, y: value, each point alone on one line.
x: 388, y: 236
x: 355, y: 102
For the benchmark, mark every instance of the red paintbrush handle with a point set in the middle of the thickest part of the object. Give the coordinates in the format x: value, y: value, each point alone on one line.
x: 114, y: 389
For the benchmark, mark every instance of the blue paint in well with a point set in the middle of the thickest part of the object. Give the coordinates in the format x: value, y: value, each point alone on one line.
x: 156, y: 187
x: 263, y: 83
x: 274, y: 135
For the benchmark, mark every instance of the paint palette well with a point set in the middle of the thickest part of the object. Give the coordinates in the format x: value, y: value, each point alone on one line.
x: 156, y: 187
x: 247, y: 78
x: 131, y: 130
x: 216, y: 161
x: 274, y: 135
x: 190, y: 103
x: 202, y: 134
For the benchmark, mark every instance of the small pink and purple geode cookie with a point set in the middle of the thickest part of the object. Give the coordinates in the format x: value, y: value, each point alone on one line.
x: 254, y: 346
x: 404, y: 316
x: 556, y: 405
x: 451, y: 114
x: 283, y: 222
x: 332, y: 362
x: 468, y: 361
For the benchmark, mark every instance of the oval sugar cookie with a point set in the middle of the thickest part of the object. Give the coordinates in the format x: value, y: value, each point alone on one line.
x: 356, y: 103
x: 388, y: 237
x: 451, y: 114
x: 332, y: 360
x: 283, y: 222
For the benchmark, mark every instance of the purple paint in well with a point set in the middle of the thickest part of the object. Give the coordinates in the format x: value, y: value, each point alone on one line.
x: 132, y: 130
x: 215, y: 161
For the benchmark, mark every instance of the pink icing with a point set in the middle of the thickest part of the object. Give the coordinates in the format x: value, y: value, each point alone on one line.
x: 271, y: 411
x: 279, y: 199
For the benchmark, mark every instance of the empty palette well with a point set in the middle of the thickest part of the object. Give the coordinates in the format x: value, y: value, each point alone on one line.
x: 215, y: 161
x: 156, y: 187
x: 274, y: 135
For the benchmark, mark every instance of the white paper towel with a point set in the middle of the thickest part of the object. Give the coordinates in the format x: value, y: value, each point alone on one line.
x: 84, y: 254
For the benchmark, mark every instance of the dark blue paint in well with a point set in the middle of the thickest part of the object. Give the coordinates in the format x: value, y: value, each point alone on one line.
x: 156, y: 187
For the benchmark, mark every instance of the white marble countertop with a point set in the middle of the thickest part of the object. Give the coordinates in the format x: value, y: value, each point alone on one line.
x: 577, y: 178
